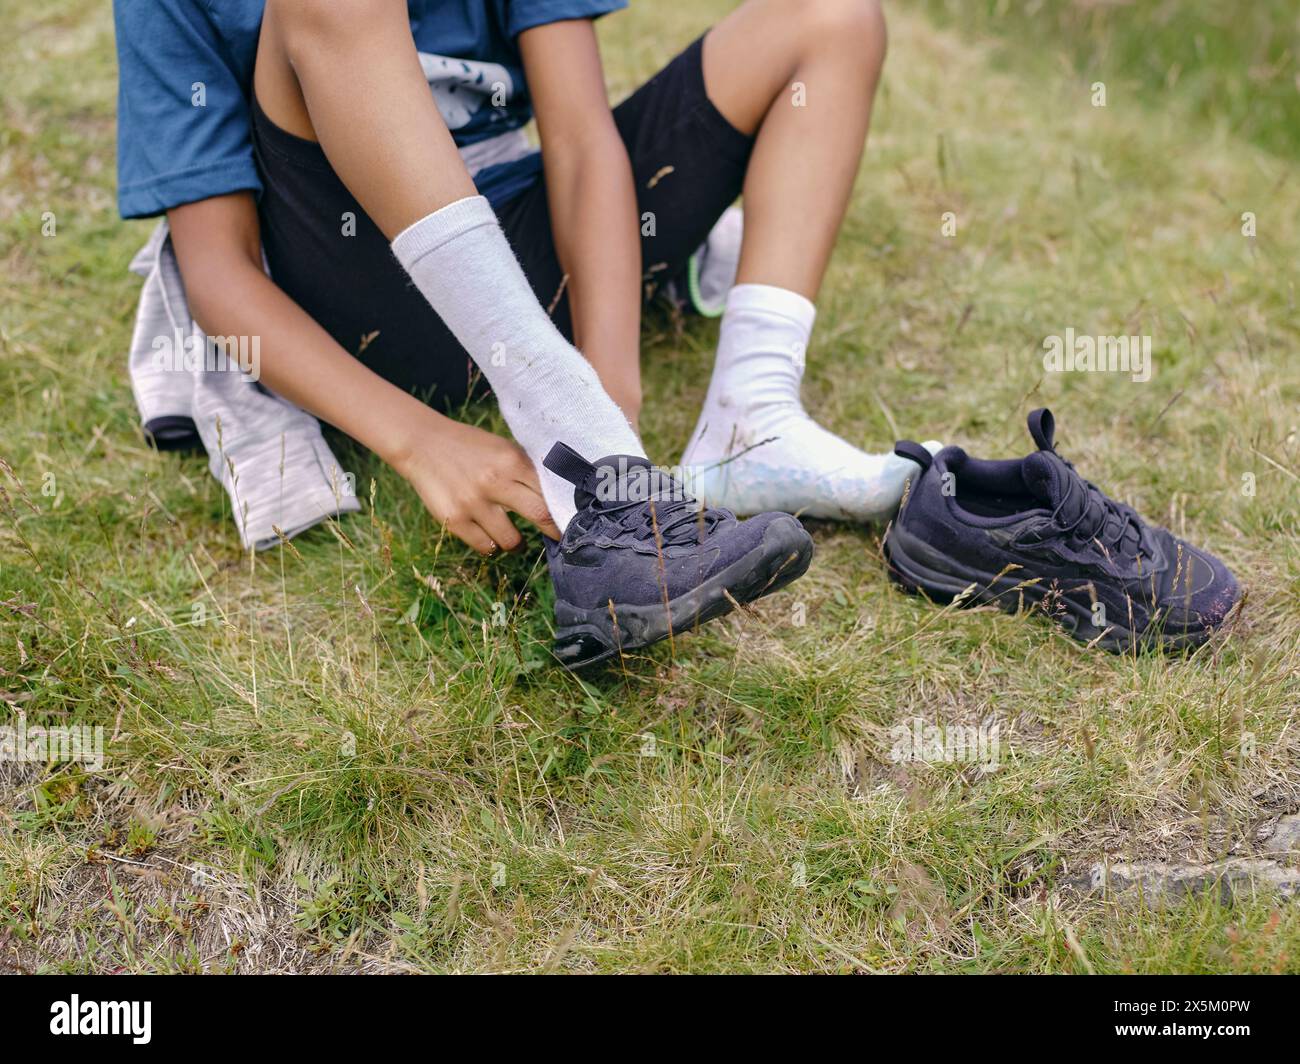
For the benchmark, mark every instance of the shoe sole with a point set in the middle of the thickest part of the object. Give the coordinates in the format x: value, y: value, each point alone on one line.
x: 589, y: 636
x: 1011, y: 594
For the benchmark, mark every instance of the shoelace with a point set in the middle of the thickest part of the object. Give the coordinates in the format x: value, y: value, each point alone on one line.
x: 679, y: 520
x: 1095, y: 512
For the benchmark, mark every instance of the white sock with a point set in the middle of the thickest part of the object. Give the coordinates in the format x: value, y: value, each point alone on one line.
x: 460, y: 261
x: 754, y: 447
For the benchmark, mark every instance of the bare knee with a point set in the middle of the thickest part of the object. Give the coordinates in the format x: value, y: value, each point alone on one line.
x: 854, y: 24
x: 855, y: 18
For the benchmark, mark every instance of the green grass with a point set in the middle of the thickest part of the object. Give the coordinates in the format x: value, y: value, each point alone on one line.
x: 348, y: 766
x: 1229, y: 64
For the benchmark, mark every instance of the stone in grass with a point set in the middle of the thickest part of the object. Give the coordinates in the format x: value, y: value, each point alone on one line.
x: 1284, y: 841
x: 1161, y: 883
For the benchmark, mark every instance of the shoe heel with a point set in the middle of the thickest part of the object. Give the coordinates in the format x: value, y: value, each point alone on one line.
x: 918, y: 579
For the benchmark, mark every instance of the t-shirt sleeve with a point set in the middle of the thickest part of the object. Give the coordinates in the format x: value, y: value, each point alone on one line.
x: 183, y: 122
x: 525, y: 14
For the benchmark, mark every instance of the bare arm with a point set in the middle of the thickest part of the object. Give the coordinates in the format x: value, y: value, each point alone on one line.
x: 467, y: 478
x: 592, y: 200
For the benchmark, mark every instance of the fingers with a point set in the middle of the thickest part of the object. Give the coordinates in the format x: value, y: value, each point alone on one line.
x: 526, y: 500
x: 515, y: 486
x: 507, y: 482
x: 496, y: 523
x: 487, y: 531
x: 471, y: 534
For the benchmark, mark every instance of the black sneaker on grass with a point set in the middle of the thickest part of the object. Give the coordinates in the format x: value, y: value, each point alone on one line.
x: 1032, y: 529
x: 642, y: 559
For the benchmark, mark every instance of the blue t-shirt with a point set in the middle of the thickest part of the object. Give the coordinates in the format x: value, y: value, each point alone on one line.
x: 186, y: 76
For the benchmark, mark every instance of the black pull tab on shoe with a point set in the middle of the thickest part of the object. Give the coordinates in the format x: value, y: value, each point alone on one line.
x: 568, y: 464
x: 1042, y: 427
x: 914, y: 451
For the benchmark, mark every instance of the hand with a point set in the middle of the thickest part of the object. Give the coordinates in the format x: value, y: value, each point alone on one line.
x: 468, y: 478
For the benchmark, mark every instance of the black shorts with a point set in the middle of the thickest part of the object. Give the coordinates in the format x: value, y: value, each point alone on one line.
x: 688, y: 163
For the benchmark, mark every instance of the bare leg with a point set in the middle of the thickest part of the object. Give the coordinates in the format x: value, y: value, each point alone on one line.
x: 347, y: 75
x: 802, y: 74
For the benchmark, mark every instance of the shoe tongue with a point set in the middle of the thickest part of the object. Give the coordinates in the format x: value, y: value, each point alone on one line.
x: 619, y: 478
x: 1048, y: 477
x: 620, y: 462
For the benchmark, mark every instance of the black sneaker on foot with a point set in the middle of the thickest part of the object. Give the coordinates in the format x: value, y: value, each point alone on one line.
x: 1032, y: 529
x: 642, y: 560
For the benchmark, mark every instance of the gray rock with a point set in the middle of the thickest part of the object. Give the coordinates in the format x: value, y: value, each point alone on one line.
x: 1284, y: 842
x: 1161, y: 883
